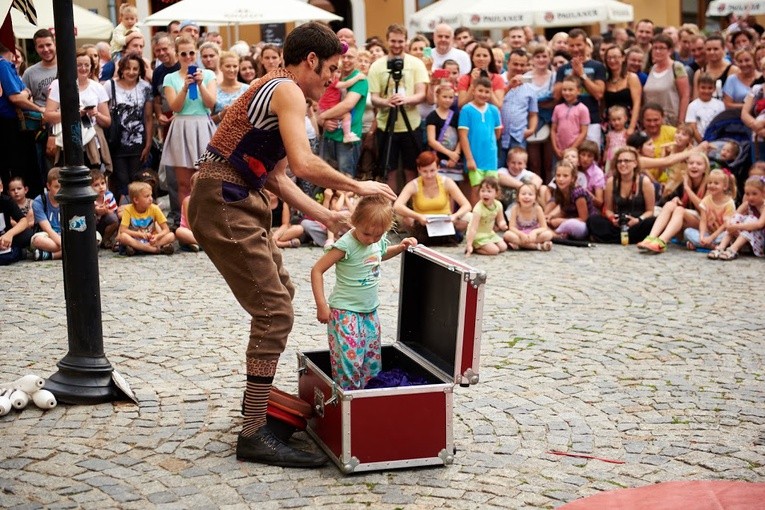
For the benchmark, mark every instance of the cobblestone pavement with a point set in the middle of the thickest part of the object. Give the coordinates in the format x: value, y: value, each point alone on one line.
x: 656, y: 361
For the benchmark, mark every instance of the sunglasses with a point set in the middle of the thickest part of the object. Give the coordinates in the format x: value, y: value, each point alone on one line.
x: 185, y: 54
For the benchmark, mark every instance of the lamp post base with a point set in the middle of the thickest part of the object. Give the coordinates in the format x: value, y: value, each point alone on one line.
x: 83, y: 380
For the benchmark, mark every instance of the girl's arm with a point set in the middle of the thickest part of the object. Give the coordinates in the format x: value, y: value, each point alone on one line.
x: 752, y: 226
x: 512, y: 224
x: 541, y: 217
x: 209, y: 92
x: 472, y: 229
x: 401, y: 208
x: 556, y: 212
x: 285, y: 222
x: 581, y: 208
x: 597, y: 198
x: 684, y: 91
x: 344, y: 85
x: 692, y: 196
x: 554, y: 139
x: 394, y: 250
x: 647, y: 163
x: 649, y: 196
x: 176, y: 98
x: 457, y: 196
x: 148, y: 123
x: 581, y: 136
x: 497, y: 97
x: 52, y: 113
x: 465, y: 144
x: 499, y: 219
x: 703, y: 223
x: 608, y: 201
x: 748, y: 119
x: 434, y: 144
x: 327, y: 260
x: 636, y: 92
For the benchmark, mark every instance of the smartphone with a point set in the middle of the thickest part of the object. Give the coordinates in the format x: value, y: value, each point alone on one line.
x: 193, y: 93
x: 427, y: 52
x: 441, y: 74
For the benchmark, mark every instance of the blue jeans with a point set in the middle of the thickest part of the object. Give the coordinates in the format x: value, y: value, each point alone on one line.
x: 346, y: 155
x: 693, y: 236
x: 502, y: 152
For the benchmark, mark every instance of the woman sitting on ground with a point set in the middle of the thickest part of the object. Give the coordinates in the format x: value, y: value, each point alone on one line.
x: 431, y: 194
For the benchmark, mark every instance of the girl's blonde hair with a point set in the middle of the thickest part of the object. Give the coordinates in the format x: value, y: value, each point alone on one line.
x: 374, y: 210
x: 228, y: 54
x: 686, y: 129
x: 755, y: 181
x: 528, y: 185
x: 729, y: 178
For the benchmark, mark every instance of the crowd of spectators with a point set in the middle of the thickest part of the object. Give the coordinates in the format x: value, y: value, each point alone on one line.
x: 643, y: 135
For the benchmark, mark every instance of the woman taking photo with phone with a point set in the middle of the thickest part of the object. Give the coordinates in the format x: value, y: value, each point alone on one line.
x: 483, y: 65
x: 191, y: 94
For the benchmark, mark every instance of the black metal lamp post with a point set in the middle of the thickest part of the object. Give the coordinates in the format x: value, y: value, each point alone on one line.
x: 84, y: 375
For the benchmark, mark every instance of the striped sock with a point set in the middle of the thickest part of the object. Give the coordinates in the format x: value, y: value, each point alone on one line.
x: 260, y: 376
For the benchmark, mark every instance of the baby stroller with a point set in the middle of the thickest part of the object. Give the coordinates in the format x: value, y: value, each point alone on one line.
x: 727, y: 126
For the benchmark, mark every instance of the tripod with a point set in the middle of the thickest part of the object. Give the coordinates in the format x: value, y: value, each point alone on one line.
x: 390, y: 125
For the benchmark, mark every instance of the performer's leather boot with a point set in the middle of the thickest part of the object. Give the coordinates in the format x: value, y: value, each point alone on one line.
x: 264, y: 447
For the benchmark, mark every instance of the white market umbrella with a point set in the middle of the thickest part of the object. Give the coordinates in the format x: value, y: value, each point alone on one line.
x: 739, y: 7
x: 87, y: 25
x: 489, y: 14
x: 239, y: 12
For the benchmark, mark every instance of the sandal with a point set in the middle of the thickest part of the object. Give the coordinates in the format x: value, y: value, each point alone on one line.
x: 729, y: 254
x: 294, y: 243
x: 656, y: 245
x: 714, y: 254
x: 545, y: 246
x: 643, y: 245
x: 690, y: 246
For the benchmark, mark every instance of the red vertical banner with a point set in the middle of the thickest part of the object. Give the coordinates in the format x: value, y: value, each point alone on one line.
x: 6, y: 31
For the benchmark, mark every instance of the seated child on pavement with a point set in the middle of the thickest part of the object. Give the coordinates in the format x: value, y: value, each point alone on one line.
x: 143, y: 227
x: 516, y: 175
x: 283, y: 232
x: 15, y: 233
x: 589, y: 155
x: 18, y: 192
x: 107, y: 221
x: 46, y: 242
x: 183, y: 233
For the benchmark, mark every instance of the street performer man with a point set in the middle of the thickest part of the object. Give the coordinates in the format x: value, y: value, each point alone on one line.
x: 263, y: 132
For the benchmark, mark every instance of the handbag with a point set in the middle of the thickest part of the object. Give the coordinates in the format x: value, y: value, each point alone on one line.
x: 541, y: 134
x: 456, y: 169
x: 87, y: 130
x: 113, y: 133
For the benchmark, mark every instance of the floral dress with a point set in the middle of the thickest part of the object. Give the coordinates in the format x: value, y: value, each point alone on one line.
x: 756, y: 238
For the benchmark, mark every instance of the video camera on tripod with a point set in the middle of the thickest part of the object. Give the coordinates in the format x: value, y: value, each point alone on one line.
x: 396, y: 69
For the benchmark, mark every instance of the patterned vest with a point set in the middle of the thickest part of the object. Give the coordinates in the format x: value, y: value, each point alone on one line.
x: 248, y: 138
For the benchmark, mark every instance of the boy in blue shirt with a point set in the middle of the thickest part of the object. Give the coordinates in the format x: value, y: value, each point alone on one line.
x: 47, y: 241
x: 479, y: 129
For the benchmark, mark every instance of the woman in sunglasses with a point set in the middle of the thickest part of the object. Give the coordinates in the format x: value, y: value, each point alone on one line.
x: 191, y: 93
